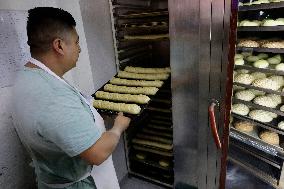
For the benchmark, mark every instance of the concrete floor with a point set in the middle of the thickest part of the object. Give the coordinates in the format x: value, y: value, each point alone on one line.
x: 237, y: 178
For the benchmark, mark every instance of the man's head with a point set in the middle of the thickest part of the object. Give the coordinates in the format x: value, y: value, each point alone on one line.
x: 52, y: 31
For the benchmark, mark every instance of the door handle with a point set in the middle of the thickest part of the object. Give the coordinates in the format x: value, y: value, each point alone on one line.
x: 211, y: 110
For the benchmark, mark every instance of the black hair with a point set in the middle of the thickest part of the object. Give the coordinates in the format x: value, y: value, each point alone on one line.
x: 45, y: 24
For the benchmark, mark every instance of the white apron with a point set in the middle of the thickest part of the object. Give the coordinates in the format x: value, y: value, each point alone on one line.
x: 104, y: 175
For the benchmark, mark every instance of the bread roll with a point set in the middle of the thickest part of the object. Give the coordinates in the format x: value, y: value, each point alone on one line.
x: 245, y: 95
x: 261, y: 64
x: 280, y: 67
x: 153, y: 144
x: 265, y: 101
x: 244, y: 126
x: 266, y: 84
x: 258, y: 75
x: 257, y: 92
x: 244, y: 79
x: 275, y: 98
x: 252, y: 58
x: 140, y: 99
x: 261, y: 115
x: 119, y: 107
x: 281, y: 125
x: 269, y: 137
x: 248, y: 43
x: 131, y: 90
x: 141, y: 156
x: 164, y: 163
x: 262, y: 56
x: 278, y: 79
x: 240, y: 109
x: 147, y: 70
x: 237, y: 56
x: 239, y: 61
x: 274, y: 45
x: 161, y: 76
x: 141, y: 83
x: 273, y: 60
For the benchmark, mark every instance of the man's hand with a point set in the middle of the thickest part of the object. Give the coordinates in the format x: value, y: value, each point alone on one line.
x: 121, y: 123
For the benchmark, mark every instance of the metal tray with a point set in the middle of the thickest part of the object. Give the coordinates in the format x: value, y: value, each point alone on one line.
x: 262, y: 6
x: 269, y: 69
x: 271, y: 50
x: 260, y: 28
x: 260, y: 89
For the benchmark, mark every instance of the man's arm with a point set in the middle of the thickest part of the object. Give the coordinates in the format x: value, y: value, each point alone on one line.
x: 106, y: 144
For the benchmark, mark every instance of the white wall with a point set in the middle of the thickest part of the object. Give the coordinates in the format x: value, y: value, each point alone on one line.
x: 14, y: 170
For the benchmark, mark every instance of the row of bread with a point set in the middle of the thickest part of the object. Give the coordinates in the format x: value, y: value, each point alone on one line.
x: 267, y: 136
x: 265, y: 22
x: 257, y: 2
x: 125, y: 89
x: 144, y: 157
x: 260, y: 60
x: 268, y: 100
x: 258, y: 115
x: 263, y: 43
x: 259, y: 79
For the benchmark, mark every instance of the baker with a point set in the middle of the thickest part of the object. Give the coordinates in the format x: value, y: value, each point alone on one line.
x: 60, y: 129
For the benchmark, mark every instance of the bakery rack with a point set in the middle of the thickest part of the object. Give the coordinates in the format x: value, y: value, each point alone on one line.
x: 140, y: 28
x: 247, y: 149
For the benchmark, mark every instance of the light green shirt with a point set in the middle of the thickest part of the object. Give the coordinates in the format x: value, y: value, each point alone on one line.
x: 55, y: 123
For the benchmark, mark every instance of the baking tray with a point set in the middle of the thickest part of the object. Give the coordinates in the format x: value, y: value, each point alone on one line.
x: 270, y: 69
x: 270, y: 126
x: 260, y: 28
x: 261, y: 6
x: 257, y: 49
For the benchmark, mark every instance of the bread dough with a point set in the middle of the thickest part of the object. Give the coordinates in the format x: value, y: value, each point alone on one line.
x: 161, y: 76
x: 252, y: 58
x: 269, y: 22
x: 246, y: 54
x: 260, y: 115
x: 280, y: 67
x: 269, y: 137
x: 262, y: 56
x: 164, y: 163
x: 119, y: 107
x: 245, y: 95
x: 140, y: 99
x: 243, y: 71
x: 141, y: 83
x: 265, y: 101
x: 281, y: 125
x: 257, y: 92
x: 274, y: 45
x: 131, y: 90
x: 261, y: 64
x: 278, y: 79
x: 237, y: 56
x: 248, y: 43
x: 240, y: 109
x: 147, y: 70
x: 266, y: 84
x: 141, y: 156
x: 273, y: 60
x: 152, y: 144
x: 258, y: 75
x: 249, y: 23
x: 246, y: 79
x: 244, y: 126
x: 239, y: 61
x: 276, y: 98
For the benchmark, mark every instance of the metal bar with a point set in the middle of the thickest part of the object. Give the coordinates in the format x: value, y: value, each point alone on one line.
x: 262, y: 6
x: 260, y: 28
x: 259, y: 89
x: 260, y: 50
x: 264, y: 70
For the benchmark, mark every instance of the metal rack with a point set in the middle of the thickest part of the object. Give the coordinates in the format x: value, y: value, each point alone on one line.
x: 247, y: 149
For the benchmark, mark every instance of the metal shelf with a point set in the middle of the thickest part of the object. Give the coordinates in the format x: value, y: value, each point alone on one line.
x: 262, y: 6
x: 256, y: 106
x: 270, y: 69
x: 259, y: 89
x: 257, y: 143
x: 270, y: 126
x: 260, y: 28
x: 143, y: 15
x: 268, y: 50
x: 144, y: 40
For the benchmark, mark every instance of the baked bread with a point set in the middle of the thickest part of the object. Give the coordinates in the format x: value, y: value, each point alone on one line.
x: 269, y: 137
x: 161, y: 76
x: 245, y: 95
x: 252, y: 58
x: 119, y: 107
x: 164, y: 163
x: 237, y: 56
x: 282, y: 108
x: 140, y: 99
x: 265, y: 101
x: 240, y: 109
x: 257, y: 92
x: 152, y: 144
x: 242, y: 71
x: 244, y: 79
x: 140, y: 156
x: 244, y: 126
x: 138, y: 83
x: 248, y: 43
x: 266, y: 84
x: 274, y: 45
x: 131, y: 90
x: 273, y: 60
x: 261, y: 115
x: 147, y: 70
x: 239, y: 61
x: 262, y: 56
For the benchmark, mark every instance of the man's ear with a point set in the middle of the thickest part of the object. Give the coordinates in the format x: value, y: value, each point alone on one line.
x: 58, y: 46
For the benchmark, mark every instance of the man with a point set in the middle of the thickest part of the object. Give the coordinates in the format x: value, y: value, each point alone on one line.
x: 60, y: 130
